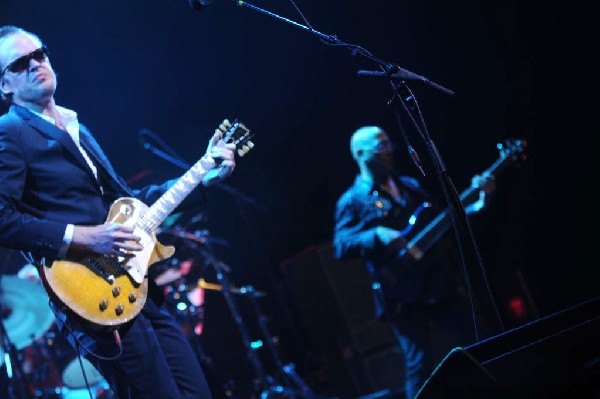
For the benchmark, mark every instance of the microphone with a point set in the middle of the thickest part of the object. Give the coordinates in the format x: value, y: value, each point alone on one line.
x: 199, y: 4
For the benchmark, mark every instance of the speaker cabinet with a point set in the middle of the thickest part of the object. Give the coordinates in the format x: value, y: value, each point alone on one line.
x: 330, y: 298
x: 332, y: 304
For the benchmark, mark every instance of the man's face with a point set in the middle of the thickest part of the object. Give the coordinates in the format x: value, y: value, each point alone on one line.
x: 377, y: 152
x: 35, y: 81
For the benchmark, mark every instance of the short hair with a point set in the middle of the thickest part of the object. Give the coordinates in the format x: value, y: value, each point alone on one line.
x: 5, y: 32
x: 359, y: 136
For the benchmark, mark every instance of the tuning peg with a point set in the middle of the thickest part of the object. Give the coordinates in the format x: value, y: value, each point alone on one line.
x: 241, y: 152
x: 250, y: 144
x: 225, y: 125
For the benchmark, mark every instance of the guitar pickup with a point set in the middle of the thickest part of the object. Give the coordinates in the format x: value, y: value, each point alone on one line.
x: 105, y: 267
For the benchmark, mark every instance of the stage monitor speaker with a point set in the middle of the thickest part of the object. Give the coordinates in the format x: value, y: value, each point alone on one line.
x: 557, y: 356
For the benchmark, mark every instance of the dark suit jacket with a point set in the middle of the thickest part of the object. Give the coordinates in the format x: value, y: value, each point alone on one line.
x: 45, y: 183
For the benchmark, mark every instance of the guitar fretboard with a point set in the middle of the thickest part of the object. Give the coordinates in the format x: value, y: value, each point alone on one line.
x: 166, y: 204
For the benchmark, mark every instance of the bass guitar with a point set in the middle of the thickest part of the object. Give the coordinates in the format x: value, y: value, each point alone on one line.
x: 511, y: 150
x: 109, y: 290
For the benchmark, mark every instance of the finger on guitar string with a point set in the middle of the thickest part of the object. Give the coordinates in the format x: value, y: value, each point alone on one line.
x: 223, y: 152
x: 127, y: 246
x: 119, y: 253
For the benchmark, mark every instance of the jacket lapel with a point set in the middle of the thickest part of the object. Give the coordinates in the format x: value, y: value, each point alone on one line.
x: 104, y: 166
x: 48, y: 129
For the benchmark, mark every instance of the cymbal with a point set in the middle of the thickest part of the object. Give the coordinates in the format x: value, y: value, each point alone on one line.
x: 25, y: 311
x: 168, y: 276
x: 245, y: 290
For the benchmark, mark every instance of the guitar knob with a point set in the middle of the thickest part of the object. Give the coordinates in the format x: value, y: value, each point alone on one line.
x: 116, y: 291
x: 132, y: 297
x: 103, y: 305
x: 119, y: 309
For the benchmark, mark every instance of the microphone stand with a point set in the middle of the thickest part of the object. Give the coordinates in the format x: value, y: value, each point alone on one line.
x: 404, y: 97
x: 286, y: 370
x: 265, y: 381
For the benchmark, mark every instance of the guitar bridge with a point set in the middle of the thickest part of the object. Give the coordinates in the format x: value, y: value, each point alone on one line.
x: 106, y: 267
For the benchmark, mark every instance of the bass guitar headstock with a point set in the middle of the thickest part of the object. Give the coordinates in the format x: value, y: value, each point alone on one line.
x: 512, y: 149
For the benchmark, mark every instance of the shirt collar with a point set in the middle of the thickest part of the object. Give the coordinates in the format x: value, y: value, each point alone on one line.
x: 68, y: 116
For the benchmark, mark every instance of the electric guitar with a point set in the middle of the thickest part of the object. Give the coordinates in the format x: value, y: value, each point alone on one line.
x: 109, y: 290
x: 511, y: 151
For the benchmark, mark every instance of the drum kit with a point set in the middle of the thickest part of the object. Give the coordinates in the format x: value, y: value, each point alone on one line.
x: 38, y: 360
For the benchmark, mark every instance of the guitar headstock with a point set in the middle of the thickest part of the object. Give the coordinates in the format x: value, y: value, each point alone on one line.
x: 238, y: 134
x: 513, y: 149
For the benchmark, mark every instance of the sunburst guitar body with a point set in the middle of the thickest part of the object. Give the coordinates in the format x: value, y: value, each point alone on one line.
x: 109, y: 291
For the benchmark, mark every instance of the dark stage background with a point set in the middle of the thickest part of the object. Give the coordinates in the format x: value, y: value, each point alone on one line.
x: 518, y: 71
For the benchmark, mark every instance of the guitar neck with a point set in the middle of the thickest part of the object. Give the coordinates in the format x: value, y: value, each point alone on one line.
x: 166, y: 204
x: 427, y: 237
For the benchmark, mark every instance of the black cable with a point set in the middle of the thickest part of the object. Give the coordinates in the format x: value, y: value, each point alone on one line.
x: 87, y: 383
x: 79, y: 345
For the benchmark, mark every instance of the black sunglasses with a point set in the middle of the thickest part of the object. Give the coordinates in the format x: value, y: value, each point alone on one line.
x: 22, y: 63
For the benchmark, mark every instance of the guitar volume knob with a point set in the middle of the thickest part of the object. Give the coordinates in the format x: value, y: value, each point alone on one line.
x: 116, y: 291
x: 103, y: 305
x: 132, y: 297
x: 119, y: 309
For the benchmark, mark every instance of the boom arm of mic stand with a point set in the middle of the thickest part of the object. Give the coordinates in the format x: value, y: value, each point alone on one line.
x: 406, y: 75
x: 394, y: 70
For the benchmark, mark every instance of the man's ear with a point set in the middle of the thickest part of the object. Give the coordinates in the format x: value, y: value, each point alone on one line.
x: 3, y: 90
x: 360, y: 154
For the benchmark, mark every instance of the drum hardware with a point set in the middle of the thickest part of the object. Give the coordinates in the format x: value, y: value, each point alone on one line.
x: 17, y: 381
x: 25, y: 317
x: 56, y: 371
x: 286, y: 382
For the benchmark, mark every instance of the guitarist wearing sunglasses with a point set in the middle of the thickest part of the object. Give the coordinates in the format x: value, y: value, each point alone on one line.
x: 374, y: 220
x: 56, y: 190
